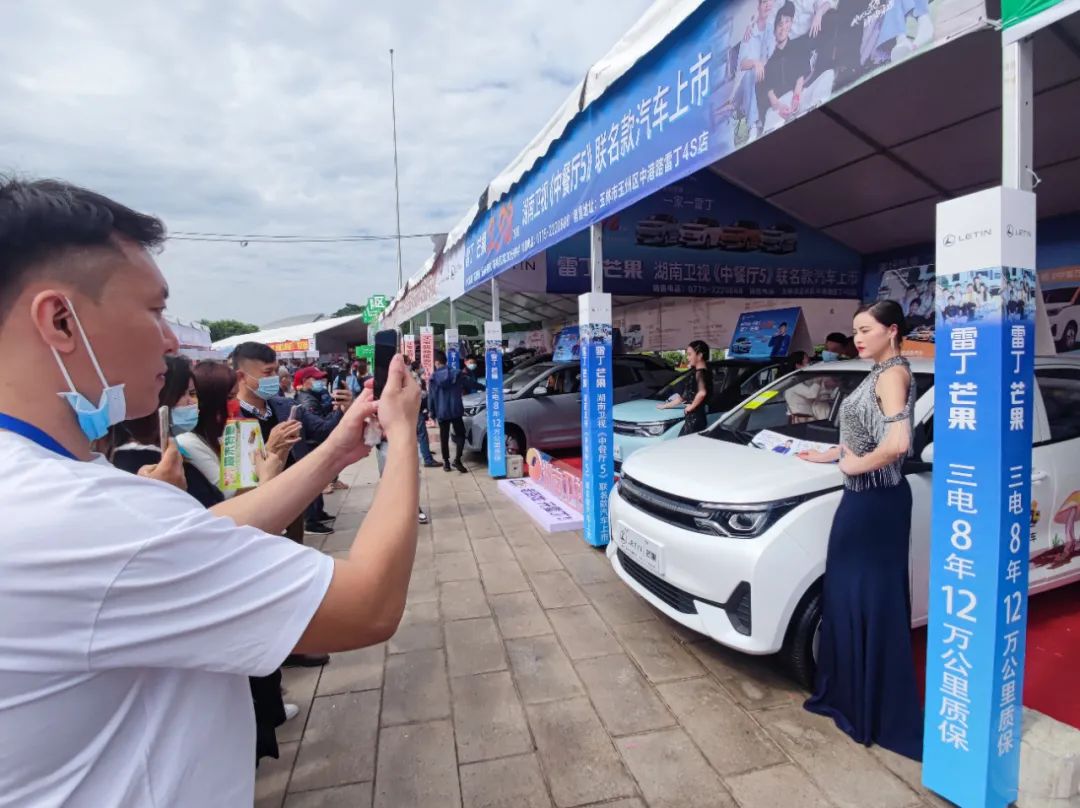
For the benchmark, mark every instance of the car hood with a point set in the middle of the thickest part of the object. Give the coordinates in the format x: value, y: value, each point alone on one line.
x: 644, y: 409
x: 473, y: 399
x: 709, y: 470
x: 693, y: 226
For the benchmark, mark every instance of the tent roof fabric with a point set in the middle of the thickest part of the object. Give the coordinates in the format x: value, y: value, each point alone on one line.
x: 289, y: 333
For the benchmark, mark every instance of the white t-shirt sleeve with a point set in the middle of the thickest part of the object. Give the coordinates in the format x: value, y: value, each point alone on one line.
x: 199, y: 592
x: 201, y: 456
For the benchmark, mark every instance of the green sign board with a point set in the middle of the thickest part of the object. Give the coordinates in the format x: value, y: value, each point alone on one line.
x: 1014, y: 12
x: 366, y: 352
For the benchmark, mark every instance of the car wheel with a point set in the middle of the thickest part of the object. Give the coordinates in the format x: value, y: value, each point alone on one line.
x: 799, y: 654
x: 515, y: 441
x: 1068, y: 339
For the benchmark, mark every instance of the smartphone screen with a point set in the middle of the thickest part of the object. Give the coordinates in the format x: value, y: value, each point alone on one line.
x: 294, y: 413
x: 163, y: 427
x: 386, y: 345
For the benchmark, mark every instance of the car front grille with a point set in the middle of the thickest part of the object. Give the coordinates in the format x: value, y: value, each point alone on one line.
x: 674, y: 597
x: 665, y: 507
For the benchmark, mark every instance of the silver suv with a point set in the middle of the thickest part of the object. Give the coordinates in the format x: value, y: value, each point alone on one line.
x: 542, y: 402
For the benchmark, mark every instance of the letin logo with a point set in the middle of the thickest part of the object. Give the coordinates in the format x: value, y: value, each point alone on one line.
x: 1017, y: 232
x: 951, y: 239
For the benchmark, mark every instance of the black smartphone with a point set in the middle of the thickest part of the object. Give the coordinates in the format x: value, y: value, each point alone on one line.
x: 386, y: 346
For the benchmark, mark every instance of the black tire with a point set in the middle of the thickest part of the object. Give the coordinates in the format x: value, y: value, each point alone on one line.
x: 797, y: 654
x: 514, y: 433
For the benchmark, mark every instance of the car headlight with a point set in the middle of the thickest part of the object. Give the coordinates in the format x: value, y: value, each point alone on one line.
x: 651, y: 429
x: 742, y: 521
x: 473, y: 411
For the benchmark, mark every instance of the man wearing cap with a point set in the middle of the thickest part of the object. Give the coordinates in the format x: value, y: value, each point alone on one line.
x: 310, y: 386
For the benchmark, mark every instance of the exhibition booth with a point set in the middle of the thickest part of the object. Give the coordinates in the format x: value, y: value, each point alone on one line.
x: 334, y: 335
x: 670, y: 195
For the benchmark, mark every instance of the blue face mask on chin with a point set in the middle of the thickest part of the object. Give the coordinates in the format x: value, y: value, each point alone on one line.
x: 830, y: 356
x: 184, y: 419
x: 111, y: 409
x: 318, y: 386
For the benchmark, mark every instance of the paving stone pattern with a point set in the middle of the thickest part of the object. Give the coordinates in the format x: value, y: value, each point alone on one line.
x: 526, y: 675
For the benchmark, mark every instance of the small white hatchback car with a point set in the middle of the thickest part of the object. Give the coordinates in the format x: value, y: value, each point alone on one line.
x: 729, y: 539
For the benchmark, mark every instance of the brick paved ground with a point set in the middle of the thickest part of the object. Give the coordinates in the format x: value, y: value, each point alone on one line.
x: 525, y: 674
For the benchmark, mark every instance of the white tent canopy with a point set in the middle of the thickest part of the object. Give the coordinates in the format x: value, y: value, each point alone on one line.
x: 323, y: 336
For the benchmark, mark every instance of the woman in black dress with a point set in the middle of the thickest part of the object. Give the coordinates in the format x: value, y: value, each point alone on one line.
x: 865, y: 669
x: 697, y: 389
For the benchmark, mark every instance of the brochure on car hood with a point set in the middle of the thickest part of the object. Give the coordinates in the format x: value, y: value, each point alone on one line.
x: 783, y: 444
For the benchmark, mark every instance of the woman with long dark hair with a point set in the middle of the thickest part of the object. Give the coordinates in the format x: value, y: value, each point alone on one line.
x: 697, y: 389
x: 865, y: 669
x: 138, y: 442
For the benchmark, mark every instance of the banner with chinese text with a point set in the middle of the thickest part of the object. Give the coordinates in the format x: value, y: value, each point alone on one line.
x: 984, y: 387
x: 427, y: 350
x: 597, y: 399
x: 722, y: 78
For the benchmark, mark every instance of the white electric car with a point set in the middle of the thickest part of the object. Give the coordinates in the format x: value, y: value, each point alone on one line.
x: 729, y: 539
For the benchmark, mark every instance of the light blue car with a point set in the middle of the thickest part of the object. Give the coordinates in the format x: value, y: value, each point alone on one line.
x: 639, y: 423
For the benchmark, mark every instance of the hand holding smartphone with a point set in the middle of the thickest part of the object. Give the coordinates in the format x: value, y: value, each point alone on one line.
x: 386, y: 346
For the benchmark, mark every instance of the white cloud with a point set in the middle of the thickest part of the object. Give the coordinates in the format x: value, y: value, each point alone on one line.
x: 274, y: 117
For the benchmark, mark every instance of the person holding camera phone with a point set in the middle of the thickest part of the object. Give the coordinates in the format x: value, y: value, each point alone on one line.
x: 131, y: 616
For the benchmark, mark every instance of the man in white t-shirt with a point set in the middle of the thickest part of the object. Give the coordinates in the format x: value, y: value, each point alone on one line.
x: 130, y: 617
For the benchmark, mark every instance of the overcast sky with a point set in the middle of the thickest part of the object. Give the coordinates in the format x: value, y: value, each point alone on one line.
x: 273, y: 116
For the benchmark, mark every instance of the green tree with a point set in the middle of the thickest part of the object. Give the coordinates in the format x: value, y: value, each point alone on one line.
x: 223, y: 329
x: 348, y: 308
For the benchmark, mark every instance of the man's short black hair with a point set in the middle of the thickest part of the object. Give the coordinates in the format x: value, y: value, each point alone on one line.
x: 786, y: 10
x: 41, y: 219
x: 440, y: 356
x: 837, y: 337
x: 252, y: 350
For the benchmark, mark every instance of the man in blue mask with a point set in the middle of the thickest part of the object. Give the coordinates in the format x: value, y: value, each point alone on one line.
x: 130, y: 615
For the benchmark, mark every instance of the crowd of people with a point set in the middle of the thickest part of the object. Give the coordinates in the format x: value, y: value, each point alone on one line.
x: 145, y: 612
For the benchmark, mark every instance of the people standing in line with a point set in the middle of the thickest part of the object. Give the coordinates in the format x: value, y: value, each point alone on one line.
x: 130, y: 616
x: 445, y: 392
x: 697, y: 390
x: 865, y: 667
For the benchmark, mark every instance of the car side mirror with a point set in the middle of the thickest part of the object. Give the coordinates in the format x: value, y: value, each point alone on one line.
x: 927, y: 455
x: 923, y: 464
x: 540, y: 391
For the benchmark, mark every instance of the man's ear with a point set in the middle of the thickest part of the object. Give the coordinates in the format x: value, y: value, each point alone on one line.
x: 54, y: 320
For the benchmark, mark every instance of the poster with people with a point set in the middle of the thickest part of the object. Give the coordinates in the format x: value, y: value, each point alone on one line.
x: 768, y: 334
x: 913, y: 288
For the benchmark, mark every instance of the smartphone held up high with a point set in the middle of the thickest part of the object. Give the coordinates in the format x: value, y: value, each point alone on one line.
x: 386, y: 345
x: 164, y: 427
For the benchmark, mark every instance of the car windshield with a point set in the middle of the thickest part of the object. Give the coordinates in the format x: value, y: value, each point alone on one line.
x: 520, y: 379
x: 676, y: 385
x: 1059, y: 295
x: 803, y: 406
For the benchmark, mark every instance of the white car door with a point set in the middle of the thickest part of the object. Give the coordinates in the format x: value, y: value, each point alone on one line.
x: 1055, y: 476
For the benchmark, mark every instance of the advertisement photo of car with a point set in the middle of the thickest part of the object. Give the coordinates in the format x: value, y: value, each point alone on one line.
x: 755, y: 584
x: 639, y: 423
x: 659, y: 229
x: 741, y: 234
x: 701, y: 232
x: 780, y: 238
x: 542, y: 402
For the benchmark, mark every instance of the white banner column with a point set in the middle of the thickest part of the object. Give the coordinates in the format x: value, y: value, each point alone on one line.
x: 597, y: 436
x: 493, y: 354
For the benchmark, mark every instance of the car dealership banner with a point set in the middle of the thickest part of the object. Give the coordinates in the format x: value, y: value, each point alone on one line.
x: 427, y: 350
x: 704, y: 237
x: 770, y: 334
x: 496, y: 418
x: 597, y: 400
x: 453, y: 349
x: 984, y: 378
x: 688, y: 103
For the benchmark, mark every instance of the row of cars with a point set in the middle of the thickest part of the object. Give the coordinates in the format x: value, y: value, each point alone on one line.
x: 727, y: 534
x: 663, y: 229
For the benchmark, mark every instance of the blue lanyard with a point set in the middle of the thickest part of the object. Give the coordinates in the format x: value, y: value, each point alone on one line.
x: 31, y: 432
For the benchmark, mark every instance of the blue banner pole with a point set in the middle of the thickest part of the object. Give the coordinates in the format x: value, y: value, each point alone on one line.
x: 983, y: 393
x: 496, y: 433
x: 597, y: 436
x: 453, y: 351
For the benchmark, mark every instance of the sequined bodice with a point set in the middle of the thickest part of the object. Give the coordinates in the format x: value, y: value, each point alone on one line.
x: 863, y: 426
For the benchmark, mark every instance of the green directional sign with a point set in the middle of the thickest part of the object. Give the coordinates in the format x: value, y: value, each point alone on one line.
x: 1014, y: 12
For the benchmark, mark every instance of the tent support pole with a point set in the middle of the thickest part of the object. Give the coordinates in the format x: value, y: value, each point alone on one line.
x: 495, y: 300
x: 453, y: 315
x: 1017, y: 116
x: 596, y: 257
